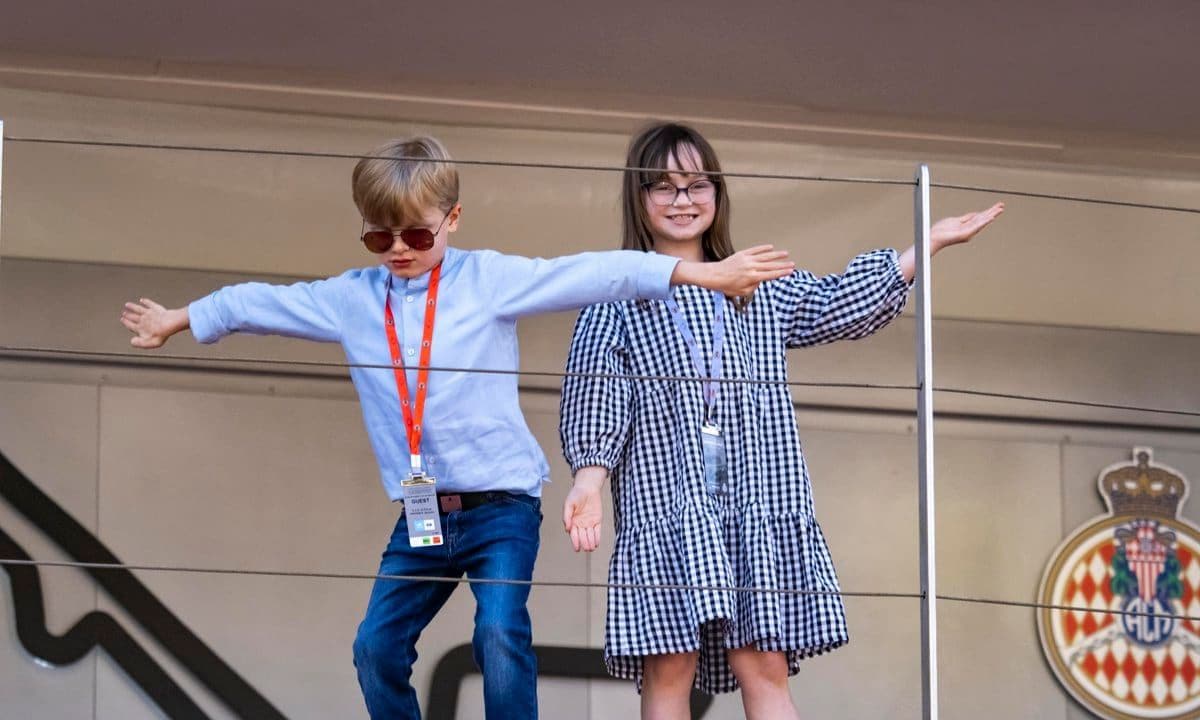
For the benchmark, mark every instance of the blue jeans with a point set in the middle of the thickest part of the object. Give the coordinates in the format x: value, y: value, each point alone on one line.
x: 498, y: 540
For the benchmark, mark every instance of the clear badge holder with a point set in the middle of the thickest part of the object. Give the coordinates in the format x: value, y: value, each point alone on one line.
x: 716, y: 471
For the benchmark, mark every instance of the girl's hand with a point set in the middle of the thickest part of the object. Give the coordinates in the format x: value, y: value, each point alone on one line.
x: 737, y: 275
x: 954, y: 230
x: 151, y: 323
x: 583, y: 509
x: 949, y: 231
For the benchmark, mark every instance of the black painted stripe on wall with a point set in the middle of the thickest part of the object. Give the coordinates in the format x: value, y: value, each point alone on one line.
x: 95, y: 629
x: 135, y: 598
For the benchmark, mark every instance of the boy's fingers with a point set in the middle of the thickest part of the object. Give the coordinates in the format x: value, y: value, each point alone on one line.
x: 129, y: 324
x: 134, y: 308
x: 151, y: 304
x: 772, y: 257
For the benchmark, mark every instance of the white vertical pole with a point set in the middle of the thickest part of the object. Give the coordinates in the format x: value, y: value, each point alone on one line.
x: 929, y: 661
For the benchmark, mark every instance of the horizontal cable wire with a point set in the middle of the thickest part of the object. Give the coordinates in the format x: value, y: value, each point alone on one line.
x: 599, y: 168
x: 579, y: 585
x: 1051, y: 606
x: 142, y: 357
x: 1065, y: 198
x: 435, y: 578
x: 333, y: 364
x: 485, y: 163
x: 1065, y: 401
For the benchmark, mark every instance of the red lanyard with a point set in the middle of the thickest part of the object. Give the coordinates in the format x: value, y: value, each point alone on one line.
x: 412, y: 417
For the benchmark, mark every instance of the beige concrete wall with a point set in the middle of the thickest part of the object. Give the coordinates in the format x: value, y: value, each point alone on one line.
x: 1048, y: 263
x: 272, y: 470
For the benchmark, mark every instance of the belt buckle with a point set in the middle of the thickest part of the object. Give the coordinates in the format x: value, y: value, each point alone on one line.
x: 450, y: 503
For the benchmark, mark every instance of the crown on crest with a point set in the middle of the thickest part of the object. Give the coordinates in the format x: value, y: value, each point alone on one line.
x: 1143, y: 488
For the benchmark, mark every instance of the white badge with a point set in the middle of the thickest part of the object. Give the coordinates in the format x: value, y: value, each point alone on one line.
x: 421, y: 510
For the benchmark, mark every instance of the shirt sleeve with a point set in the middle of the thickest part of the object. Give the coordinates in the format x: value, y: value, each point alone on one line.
x: 815, y: 310
x: 595, y: 412
x: 527, y: 286
x: 308, y: 310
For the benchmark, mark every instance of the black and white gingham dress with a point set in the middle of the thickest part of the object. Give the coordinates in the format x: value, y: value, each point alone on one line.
x: 669, y: 530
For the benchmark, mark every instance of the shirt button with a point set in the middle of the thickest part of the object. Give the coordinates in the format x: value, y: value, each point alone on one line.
x: 409, y: 298
x: 411, y: 352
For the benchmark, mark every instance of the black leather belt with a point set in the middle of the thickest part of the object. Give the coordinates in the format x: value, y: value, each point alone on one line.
x: 449, y: 502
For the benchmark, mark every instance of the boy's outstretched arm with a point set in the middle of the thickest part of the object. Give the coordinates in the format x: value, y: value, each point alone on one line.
x: 525, y: 286
x: 152, y: 324
x: 307, y: 310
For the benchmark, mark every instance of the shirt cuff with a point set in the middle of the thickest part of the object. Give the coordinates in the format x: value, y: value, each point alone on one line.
x: 654, y: 277
x: 579, y: 463
x: 202, y: 319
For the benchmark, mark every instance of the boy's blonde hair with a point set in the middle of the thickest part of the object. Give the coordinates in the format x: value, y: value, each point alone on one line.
x: 397, y: 192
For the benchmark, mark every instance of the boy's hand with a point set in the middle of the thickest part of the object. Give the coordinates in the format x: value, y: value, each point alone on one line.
x: 740, y: 273
x: 583, y: 509
x: 151, y: 323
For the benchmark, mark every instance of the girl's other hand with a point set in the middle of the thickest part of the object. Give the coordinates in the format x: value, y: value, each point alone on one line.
x: 583, y: 510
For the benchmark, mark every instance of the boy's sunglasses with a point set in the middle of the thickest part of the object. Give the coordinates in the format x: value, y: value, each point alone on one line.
x: 419, y: 239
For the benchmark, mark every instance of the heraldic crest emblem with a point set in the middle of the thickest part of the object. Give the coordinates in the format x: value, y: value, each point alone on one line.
x: 1143, y: 560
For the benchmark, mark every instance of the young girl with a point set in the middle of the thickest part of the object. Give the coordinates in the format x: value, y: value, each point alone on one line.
x: 709, y: 483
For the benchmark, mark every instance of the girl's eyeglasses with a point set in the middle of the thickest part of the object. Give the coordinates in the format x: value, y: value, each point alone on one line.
x: 664, y: 193
x: 419, y: 239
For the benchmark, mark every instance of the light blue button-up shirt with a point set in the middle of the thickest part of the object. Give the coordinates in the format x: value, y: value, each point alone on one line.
x: 474, y: 435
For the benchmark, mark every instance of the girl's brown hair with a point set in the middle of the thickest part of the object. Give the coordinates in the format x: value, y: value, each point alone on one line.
x: 651, y: 149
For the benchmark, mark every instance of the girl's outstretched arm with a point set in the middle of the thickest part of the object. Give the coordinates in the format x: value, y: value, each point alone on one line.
x: 868, y: 295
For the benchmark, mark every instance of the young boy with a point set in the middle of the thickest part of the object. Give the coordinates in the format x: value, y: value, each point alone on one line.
x: 428, y: 305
